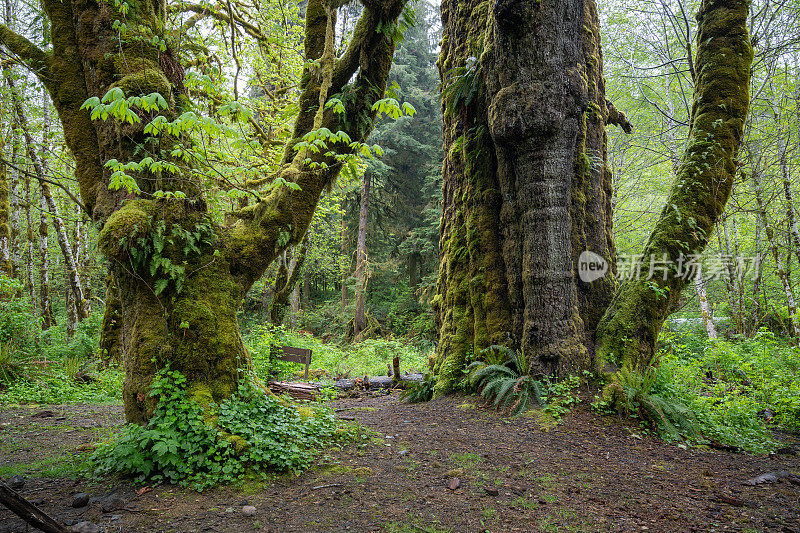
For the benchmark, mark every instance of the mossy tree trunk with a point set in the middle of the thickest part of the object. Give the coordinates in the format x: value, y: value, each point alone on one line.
x: 193, y: 328
x: 526, y: 186
x: 628, y: 331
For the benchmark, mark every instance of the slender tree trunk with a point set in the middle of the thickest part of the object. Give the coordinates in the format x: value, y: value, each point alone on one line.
x: 30, y: 287
x: 627, y: 333
x: 294, y: 308
x: 15, y: 201
x: 360, y: 316
x: 755, y: 316
x: 45, y: 301
x: 74, y: 282
x: 734, y: 279
x: 776, y: 255
x: 345, y: 269
x: 791, y: 218
x: 6, y: 266
x: 306, y: 289
x: 705, y: 308
x: 286, y: 282
x: 45, y: 298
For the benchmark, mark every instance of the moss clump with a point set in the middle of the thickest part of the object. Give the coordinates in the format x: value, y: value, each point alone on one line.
x: 130, y: 222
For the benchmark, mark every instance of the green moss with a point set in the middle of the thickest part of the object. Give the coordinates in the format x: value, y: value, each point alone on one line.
x: 131, y: 221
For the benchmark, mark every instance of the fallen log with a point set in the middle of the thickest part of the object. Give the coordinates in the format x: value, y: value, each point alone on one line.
x: 297, y: 390
x: 24, y: 509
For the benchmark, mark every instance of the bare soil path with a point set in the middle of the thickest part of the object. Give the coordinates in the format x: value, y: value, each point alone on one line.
x: 588, y: 473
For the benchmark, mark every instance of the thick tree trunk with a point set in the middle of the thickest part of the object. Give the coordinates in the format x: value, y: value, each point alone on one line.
x: 189, y: 320
x: 360, y: 315
x: 627, y: 333
x: 526, y: 186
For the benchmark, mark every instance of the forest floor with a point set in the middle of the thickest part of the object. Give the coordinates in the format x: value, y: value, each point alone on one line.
x: 586, y: 473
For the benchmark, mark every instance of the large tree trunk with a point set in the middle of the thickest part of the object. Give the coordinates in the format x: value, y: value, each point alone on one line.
x: 526, y: 186
x: 627, y: 333
x: 360, y: 315
x: 189, y: 321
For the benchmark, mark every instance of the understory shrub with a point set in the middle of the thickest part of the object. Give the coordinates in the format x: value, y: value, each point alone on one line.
x: 731, y: 393
x: 249, y: 434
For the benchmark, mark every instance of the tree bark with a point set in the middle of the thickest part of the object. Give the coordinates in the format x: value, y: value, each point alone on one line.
x: 286, y: 282
x: 360, y: 315
x: 628, y: 331
x: 344, y: 270
x: 705, y: 308
x: 526, y: 186
x: 45, y: 299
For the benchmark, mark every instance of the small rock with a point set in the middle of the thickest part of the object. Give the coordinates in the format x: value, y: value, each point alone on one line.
x: 401, y: 453
x: 491, y: 491
x: 454, y: 483
x: 769, y: 477
x: 116, y: 517
x: 80, y: 500
x: 84, y: 527
x: 248, y: 510
x: 112, y: 503
x: 16, y: 482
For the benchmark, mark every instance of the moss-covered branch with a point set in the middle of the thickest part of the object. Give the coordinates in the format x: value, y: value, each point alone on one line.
x: 282, y: 217
x: 628, y: 331
x: 30, y: 54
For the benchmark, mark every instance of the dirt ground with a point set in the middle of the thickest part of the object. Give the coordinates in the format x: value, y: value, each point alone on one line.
x: 589, y: 473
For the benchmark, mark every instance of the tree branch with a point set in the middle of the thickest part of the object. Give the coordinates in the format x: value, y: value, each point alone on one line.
x: 30, y: 54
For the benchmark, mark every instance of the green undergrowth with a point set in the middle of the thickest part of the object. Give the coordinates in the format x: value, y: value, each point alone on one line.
x: 56, y: 385
x: 249, y: 435
x: 729, y: 392
x: 50, y: 366
x: 329, y: 361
